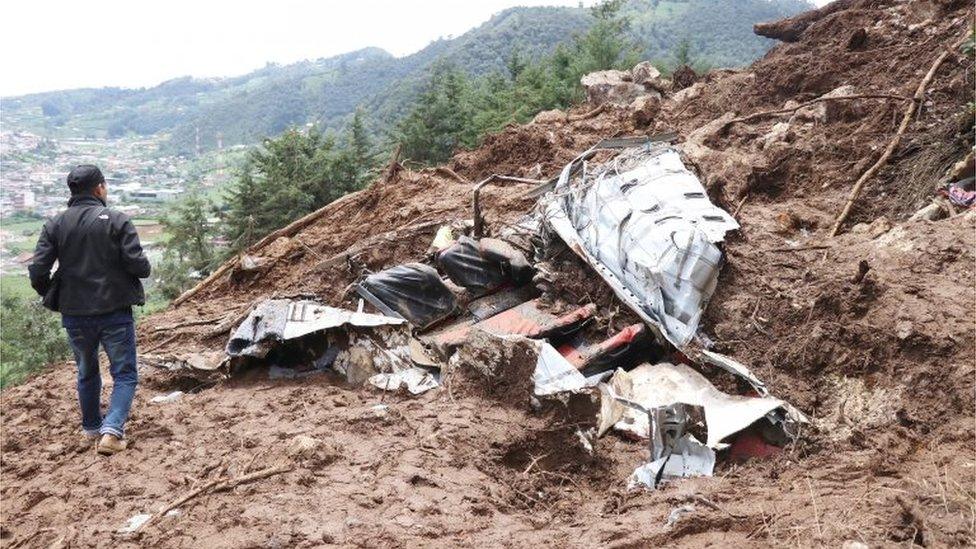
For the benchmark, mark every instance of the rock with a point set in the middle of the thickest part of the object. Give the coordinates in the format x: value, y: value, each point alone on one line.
x: 644, y: 72
x: 302, y: 447
x: 879, y: 227
x: 786, y: 222
x: 780, y: 133
x: 610, y: 86
x: 358, y: 364
x: 962, y: 169
x: 554, y: 116
x: 932, y: 212
x: 857, y: 39
x: 645, y: 109
x: 826, y: 111
x: 688, y: 93
x: 904, y: 329
x: 170, y: 397
x: 851, y: 544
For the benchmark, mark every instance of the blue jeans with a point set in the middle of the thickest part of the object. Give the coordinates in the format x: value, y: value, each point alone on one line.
x: 116, y: 333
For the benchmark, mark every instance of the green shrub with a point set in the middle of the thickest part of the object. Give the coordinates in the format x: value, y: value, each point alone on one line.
x: 31, y: 337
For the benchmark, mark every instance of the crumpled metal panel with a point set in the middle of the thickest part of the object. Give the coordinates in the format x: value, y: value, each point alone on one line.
x: 276, y: 320
x: 645, y: 223
x: 664, y: 384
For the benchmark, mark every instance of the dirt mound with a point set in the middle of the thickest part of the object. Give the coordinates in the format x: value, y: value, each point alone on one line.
x: 870, y: 334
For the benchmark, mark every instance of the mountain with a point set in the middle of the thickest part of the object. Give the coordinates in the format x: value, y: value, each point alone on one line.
x: 201, y: 112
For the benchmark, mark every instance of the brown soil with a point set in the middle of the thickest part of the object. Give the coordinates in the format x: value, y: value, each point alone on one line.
x: 870, y: 334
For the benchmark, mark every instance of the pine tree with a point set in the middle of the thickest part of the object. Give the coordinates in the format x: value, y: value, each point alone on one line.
x: 360, y: 147
x: 187, y: 225
x: 440, y: 119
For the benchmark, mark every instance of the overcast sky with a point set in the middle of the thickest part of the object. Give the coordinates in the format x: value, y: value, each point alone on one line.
x: 60, y: 44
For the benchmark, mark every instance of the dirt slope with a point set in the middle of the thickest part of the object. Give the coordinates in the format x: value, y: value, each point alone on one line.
x: 882, y: 360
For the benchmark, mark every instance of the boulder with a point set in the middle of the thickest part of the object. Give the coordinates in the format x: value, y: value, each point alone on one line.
x: 932, y: 212
x: 780, y: 133
x: 645, y: 109
x: 612, y: 86
x: 827, y: 111
x: 688, y: 93
x: 644, y: 72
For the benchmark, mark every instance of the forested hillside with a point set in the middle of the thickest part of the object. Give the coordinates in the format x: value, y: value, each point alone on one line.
x: 326, y: 91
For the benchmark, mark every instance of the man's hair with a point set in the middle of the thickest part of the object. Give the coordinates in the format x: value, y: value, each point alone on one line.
x: 84, y: 177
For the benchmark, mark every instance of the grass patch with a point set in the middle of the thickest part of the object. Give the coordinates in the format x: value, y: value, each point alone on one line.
x: 17, y: 286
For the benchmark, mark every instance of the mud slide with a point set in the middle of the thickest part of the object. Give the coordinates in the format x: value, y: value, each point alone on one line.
x: 869, y: 334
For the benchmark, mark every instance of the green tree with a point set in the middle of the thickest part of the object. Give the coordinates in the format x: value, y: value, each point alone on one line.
x: 606, y: 44
x: 360, y: 147
x: 453, y: 111
x: 682, y: 53
x: 440, y: 119
x: 515, y: 62
x: 290, y: 176
x: 190, y: 232
x: 190, y: 252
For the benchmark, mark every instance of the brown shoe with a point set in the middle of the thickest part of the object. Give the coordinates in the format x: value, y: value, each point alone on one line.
x: 110, y: 444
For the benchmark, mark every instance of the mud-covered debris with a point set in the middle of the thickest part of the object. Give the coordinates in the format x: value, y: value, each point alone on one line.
x: 961, y: 193
x: 277, y: 320
x: 550, y: 117
x: 167, y: 398
x: 416, y: 380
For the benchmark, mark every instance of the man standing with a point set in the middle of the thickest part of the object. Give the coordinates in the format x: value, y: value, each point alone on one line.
x: 100, y: 262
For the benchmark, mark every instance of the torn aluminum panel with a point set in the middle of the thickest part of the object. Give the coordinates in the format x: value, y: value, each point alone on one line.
x: 644, y: 222
x: 674, y: 452
x: 416, y: 380
x: 553, y: 373
x: 276, y: 320
x: 660, y: 385
x: 688, y: 458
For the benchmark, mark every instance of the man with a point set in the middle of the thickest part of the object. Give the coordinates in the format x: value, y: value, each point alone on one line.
x: 100, y: 262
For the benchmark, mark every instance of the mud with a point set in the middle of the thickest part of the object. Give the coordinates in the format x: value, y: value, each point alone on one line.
x: 870, y: 334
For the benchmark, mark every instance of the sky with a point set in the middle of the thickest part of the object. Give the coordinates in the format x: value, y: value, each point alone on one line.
x: 61, y: 44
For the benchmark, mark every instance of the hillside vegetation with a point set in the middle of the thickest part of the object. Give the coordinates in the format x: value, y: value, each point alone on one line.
x: 325, y: 92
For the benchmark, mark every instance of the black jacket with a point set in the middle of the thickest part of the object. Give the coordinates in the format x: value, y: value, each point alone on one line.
x: 100, y: 260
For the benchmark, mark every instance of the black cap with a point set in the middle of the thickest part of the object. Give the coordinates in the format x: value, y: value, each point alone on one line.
x: 84, y: 177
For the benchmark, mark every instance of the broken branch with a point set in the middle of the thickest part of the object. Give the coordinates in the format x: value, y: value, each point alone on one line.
x: 218, y: 484
x: 763, y: 114
x: 896, y: 140
x: 394, y: 166
x: 376, y: 240
x: 197, y: 322
x: 587, y: 114
x: 799, y: 248
x: 444, y: 170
